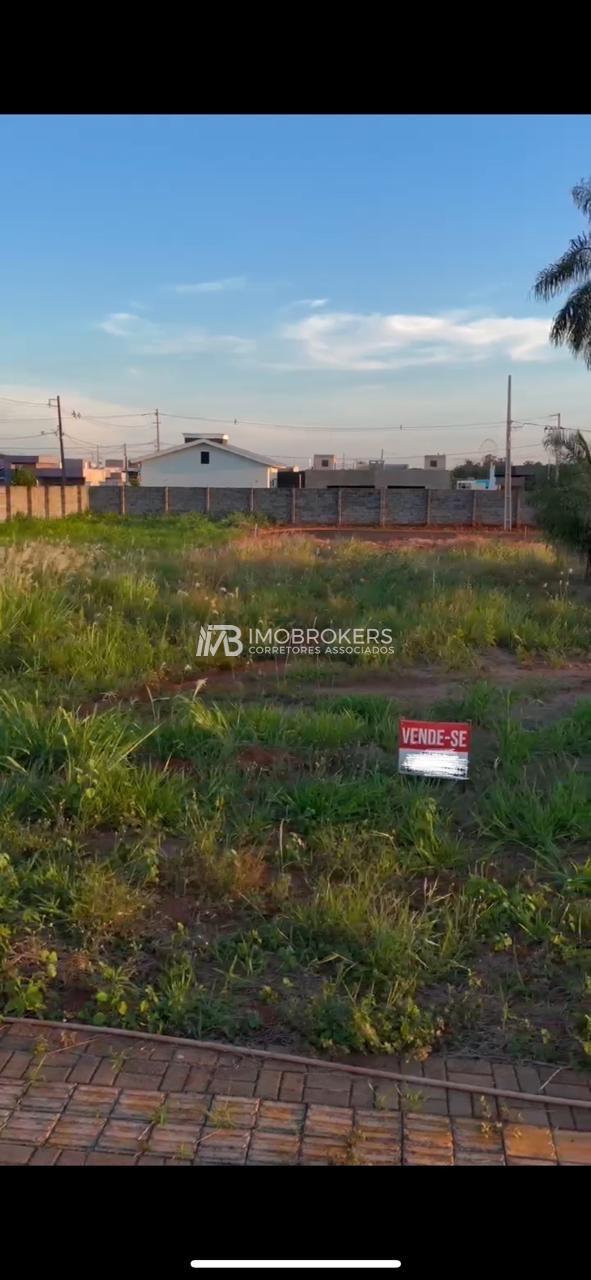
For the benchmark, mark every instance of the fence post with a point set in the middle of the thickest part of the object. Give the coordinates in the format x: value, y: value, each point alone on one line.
x: 29, y: 501
x: 165, y: 506
x: 428, y: 507
x: 251, y: 502
x: 339, y: 506
x: 62, y: 500
x: 293, y: 505
x: 207, y: 502
x: 474, y: 496
x: 122, y: 501
x: 79, y: 498
x: 46, y: 500
x: 383, y: 493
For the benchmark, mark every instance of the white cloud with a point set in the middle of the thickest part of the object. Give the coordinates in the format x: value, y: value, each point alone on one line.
x: 147, y: 339
x: 213, y: 286
x: 357, y: 342
x: 313, y: 303
x: 190, y: 341
x: 122, y: 324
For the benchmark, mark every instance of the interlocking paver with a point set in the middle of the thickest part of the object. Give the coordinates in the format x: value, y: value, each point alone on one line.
x: 175, y: 1076
x: 15, y: 1152
x: 199, y: 1078
x: 139, y: 1105
x: 267, y: 1085
x: 18, y: 1064
x: 174, y: 1140
x: 131, y: 1080
x: 10, y: 1092
x: 45, y: 1156
x: 84, y: 1069
x: 187, y: 1106
x: 280, y: 1117
x: 123, y: 1135
x: 477, y: 1143
x: 46, y: 1097
x: 92, y: 1100
x: 28, y: 1126
x: 573, y: 1148
x: 376, y: 1138
x: 328, y: 1121
x: 237, y: 1113
x: 90, y: 1097
x: 529, y: 1140
x: 292, y: 1086
x: 427, y: 1140
x: 75, y: 1131
x: 223, y: 1146
x: 273, y: 1148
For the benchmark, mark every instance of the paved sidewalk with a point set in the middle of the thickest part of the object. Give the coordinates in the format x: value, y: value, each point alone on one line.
x: 89, y: 1097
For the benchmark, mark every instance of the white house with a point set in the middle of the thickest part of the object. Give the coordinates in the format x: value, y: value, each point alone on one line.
x: 208, y: 464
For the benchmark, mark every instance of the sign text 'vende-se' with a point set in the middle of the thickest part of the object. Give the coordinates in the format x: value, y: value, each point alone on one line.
x: 434, y: 748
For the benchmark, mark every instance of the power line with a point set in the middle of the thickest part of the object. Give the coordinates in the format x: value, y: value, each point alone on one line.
x: 38, y: 403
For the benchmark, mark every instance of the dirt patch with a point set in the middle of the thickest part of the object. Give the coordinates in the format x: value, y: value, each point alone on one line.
x: 267, y: 759
x: 562, y: 685
x: 421, y: 536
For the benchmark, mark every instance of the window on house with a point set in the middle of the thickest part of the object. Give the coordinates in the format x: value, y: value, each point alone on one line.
x: 204, y: 456
x: 325, y: 462
x: 433, y: 462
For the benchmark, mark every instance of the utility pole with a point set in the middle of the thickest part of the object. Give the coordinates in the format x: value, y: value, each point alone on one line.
x: 156, y: 411
x: 125, y: 464
x: 508, y: 518
x: 60, y: 433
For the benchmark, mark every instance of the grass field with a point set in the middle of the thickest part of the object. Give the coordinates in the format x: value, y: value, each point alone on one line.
x: 224, y: 856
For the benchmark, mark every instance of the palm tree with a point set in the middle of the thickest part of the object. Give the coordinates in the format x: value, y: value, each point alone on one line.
x: 567, y: 446
x: 571, y: 326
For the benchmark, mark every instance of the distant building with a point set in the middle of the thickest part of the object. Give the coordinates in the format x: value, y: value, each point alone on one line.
x: 376, y: 474
x: 209, y: 462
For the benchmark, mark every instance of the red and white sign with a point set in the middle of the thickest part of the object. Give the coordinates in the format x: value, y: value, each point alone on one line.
x: 434, y: 748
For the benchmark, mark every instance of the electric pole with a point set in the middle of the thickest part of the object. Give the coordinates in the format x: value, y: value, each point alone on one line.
x: 125, y: 464
x: 156, y: 411
x: 508, y: 519
x: 60, y: 433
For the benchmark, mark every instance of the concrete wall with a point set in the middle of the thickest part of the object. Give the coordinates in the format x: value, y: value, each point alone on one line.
x: 44, y: 501
x: 472, y: 508
x: 462, y: 507
x: 388, y: 476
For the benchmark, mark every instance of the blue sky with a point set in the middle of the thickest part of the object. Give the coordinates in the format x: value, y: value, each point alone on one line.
x: 359, y: 272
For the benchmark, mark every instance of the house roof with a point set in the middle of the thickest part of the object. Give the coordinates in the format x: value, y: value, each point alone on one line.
x: 208, y: 444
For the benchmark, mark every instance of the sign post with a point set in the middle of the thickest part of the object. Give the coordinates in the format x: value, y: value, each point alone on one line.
x: 434, y: 748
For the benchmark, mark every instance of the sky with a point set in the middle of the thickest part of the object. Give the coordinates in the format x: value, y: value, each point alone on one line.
x: 345, y: 284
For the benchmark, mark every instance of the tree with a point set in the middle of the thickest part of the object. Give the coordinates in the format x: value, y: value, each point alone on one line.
x: 24, y: 476
x: 469, y: 470
x: 571, y: 326
x: 563, y: 505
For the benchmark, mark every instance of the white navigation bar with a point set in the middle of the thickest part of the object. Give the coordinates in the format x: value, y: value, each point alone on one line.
x: 295, y: 1266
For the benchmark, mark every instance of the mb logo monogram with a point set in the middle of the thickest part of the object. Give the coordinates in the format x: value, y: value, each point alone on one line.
x: 219, y: 635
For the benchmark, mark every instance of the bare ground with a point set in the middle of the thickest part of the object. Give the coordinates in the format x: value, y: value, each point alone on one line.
x: 561, y: 686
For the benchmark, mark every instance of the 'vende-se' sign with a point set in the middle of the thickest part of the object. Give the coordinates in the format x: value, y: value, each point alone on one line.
x: 434, y: 748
